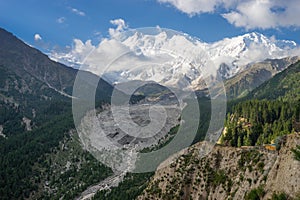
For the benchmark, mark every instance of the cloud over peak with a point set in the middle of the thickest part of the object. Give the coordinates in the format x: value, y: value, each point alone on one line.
x: 120, y: 26
x: 139, y: 47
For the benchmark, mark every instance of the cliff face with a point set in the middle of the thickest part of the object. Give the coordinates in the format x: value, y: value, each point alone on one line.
x: 228, y: 173
x: 285, y: 173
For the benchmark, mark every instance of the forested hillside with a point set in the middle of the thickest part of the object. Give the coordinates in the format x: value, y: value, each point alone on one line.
x: 258, y: 122
x: 35, y: 118
x: 269, y: 111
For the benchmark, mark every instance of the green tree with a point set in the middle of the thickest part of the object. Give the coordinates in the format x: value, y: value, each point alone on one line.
x: 239, y: 142
x: 296, y: 152
x: 281, y: 196
x: 255, y: 194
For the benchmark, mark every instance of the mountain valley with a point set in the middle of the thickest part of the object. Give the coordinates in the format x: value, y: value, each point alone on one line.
x: 43, y: 156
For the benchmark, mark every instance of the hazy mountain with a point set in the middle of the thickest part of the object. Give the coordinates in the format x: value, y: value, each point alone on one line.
x: 254, y: 75
x: 284, y: 85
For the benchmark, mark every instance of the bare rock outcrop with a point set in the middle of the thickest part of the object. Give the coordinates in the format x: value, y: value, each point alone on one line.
x: 228, y: 173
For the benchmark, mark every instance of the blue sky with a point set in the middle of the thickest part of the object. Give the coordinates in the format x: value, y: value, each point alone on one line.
x: 58, y: 22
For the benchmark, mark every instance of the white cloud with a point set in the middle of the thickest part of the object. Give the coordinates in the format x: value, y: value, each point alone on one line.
x: 61, y: 20
x: 77, y: 12
x: 37, y: 37
x: 73, y: 56
x: 249, y: 14
x: 107, y: 48
x: 193, y: 7
x: 121, y: 26
x: 252, y: 14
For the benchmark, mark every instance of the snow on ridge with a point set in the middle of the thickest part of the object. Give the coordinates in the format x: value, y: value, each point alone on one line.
x: 162, y: 46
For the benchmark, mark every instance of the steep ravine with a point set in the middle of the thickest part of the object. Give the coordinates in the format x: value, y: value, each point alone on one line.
x: 228, y: 173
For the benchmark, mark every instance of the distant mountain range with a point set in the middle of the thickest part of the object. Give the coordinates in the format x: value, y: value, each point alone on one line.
x: 150, y: 60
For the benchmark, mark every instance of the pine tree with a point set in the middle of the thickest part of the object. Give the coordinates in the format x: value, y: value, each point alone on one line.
x: 239, y: 144
x: 296, y: 152
x: 247, y: 140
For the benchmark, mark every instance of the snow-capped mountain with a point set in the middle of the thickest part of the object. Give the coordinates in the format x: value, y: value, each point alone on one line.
x: 235, y: 53
x: 172, y: 58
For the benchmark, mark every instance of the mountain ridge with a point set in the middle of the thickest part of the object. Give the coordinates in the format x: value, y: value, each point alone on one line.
x: 254, y: 75
x: 230, y: 56
x: 284, y: 85
x: 31, y: 83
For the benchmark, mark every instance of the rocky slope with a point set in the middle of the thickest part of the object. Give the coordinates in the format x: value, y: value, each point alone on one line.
x: 254, y: 75
x: 228, y: 173
x: 284, y: 85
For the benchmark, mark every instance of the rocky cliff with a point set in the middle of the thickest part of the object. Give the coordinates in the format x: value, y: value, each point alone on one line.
x: 228, y: 173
